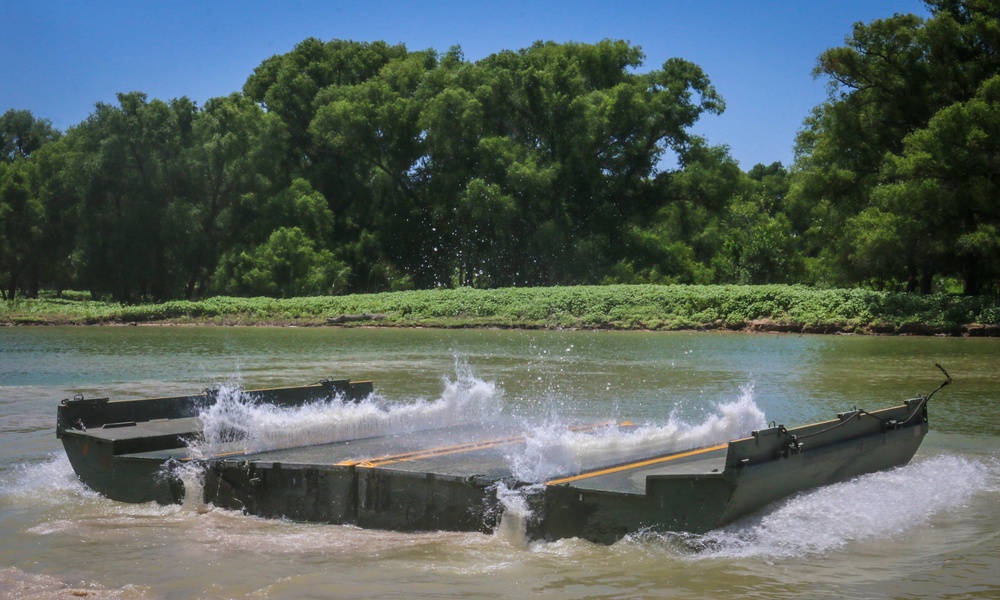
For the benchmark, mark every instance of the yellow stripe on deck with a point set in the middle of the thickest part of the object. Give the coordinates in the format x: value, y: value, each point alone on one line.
x: 427, y: 453
x: 636, y: 465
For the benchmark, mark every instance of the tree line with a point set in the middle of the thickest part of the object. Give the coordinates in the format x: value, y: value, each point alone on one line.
x: 361, y: 167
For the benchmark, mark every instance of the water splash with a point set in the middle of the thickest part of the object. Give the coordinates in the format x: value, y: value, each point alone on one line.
x: 876, y: 506
x: 237, y: 422
x: 553, y: 450
x: 50, y: 482
x: 517, y: 513
x: 191, y: 476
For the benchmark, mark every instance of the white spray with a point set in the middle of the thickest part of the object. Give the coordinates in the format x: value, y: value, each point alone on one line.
x: 876, y: 506
x: 238, y: 423
x: 553, y: 450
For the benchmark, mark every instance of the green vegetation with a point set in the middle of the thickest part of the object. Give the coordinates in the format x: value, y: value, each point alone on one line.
x: 347, y: 167
x: 660, y: 307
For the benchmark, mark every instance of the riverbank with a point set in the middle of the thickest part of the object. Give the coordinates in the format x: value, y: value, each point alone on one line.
x: 779, y: 308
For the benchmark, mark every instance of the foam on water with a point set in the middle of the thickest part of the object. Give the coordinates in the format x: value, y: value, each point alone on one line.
x: 876, y: 506
x: 51, y: 482
x: 237, y: 422
x: 15, y: 584
x: 69, y: 504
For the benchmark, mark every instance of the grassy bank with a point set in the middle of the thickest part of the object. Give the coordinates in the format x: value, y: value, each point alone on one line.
x: 763, y: 308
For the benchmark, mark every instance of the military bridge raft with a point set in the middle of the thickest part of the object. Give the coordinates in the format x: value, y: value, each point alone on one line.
x: 336, y: 452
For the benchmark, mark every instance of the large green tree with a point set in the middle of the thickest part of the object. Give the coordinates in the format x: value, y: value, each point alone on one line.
x: 21, y: 222
x: 944, y: 191
x: 261, y: 259
x: 232, y: 164
x: 286, y: 85
x: 364, y: 166
x: 582, y: 113
x: 28, y: 223
x: 21, y: 134
x: 524, y: 168
x: 877, y: 210
x: 133, y: 229
x: 759, y: 240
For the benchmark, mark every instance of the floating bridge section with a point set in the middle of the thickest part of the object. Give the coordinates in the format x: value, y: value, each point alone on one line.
x: 448, y: 478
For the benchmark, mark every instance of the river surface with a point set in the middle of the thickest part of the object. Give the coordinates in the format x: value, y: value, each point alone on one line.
x: 930, y: 529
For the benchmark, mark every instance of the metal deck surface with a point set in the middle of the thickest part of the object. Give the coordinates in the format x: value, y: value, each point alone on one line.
x: 130, y: 430
x: 471, y: 452
x: 601, y: 481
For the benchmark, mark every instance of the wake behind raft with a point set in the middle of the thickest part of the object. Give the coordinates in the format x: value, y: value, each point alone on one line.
x: 130, y: 451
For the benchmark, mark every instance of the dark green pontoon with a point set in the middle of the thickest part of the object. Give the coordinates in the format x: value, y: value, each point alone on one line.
x: 452, y: 478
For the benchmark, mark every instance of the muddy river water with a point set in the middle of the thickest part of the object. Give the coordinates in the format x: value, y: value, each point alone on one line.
x: 930, y: 529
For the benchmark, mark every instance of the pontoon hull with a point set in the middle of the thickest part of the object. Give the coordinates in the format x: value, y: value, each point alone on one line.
x: 453, y: 478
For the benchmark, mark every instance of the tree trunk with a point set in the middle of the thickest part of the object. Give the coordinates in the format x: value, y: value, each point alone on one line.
x: 11, y: 291
x: 972, y: 284
x: 926, y: 282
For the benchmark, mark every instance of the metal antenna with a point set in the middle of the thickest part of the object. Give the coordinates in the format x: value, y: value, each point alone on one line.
x: 948, y: 380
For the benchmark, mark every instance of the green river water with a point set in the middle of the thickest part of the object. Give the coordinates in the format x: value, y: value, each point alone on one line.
x: 930, y: 529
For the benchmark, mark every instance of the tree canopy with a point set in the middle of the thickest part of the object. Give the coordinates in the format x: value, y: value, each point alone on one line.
x: 352, y: 166
x: 895, y: 170
x: 348, y: 166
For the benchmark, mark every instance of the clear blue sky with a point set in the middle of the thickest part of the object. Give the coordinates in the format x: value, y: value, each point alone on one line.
x: 58, y: 58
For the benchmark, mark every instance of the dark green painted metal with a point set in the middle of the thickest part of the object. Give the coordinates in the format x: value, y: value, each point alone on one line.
x: 101, y: 412
x: 121, y: 448
x: 319, y: 493
x: 447, y: 479
x: 120, y: 477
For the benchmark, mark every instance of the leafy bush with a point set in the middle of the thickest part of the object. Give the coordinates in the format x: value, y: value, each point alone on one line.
x: 780, y: 307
